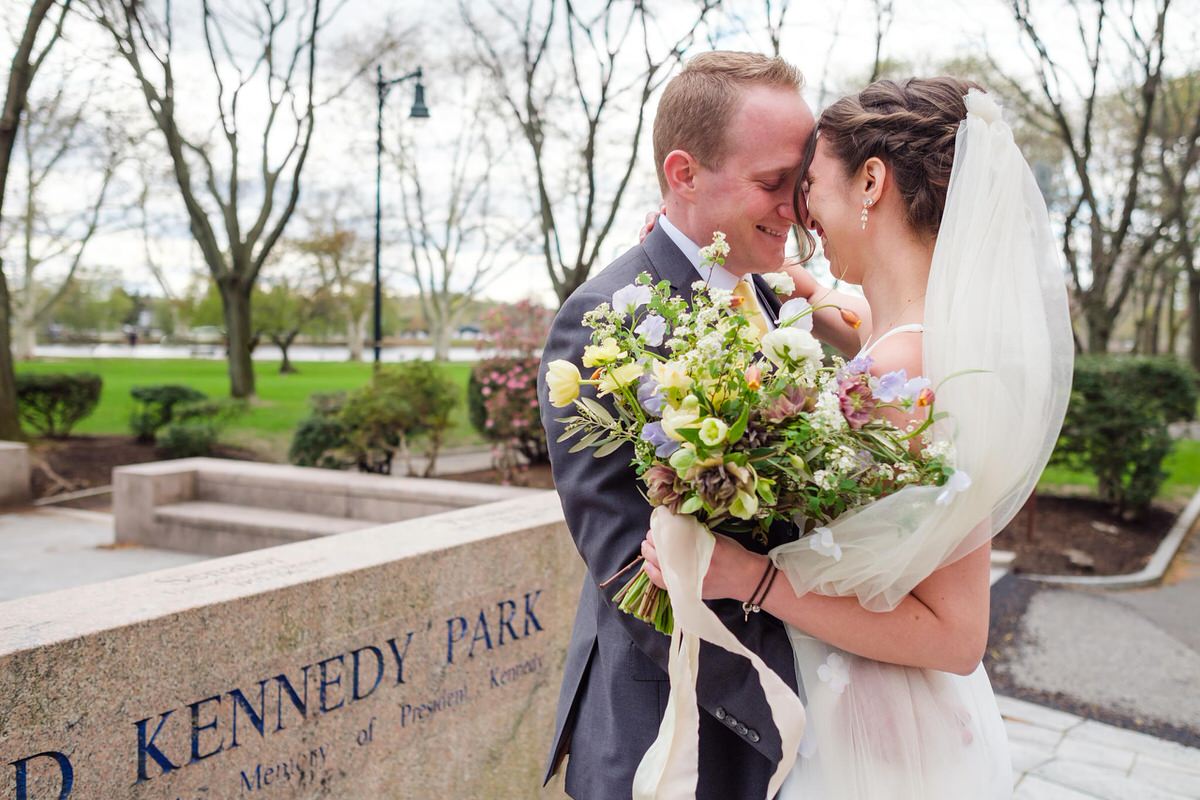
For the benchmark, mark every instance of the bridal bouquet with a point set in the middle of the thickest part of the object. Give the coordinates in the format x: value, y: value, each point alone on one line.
x: 736, y: 430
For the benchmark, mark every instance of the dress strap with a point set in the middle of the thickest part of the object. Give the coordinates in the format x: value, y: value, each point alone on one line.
x: 914, y: 327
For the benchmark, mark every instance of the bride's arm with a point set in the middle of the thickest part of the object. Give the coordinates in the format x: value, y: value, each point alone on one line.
x: 942, y: 624
x: 828, y: 325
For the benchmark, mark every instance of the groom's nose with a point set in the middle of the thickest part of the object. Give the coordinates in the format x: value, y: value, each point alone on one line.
x: 800, y: 213
x: 786, y: 211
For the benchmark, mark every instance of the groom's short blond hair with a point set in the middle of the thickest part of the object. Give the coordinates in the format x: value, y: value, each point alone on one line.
x: 699, y: 102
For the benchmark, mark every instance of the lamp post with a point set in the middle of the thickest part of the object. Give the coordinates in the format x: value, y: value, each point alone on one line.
x: 418, y: 111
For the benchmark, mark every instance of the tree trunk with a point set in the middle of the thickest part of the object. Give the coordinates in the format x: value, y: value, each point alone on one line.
x: 356, y: 328
x: 283, y: 343
x: 1193, y: 290
x: 440, y: 333
x: 1099, y: 327
x: 236, y: 303
x: 24, y: 326
x: 10, y: 427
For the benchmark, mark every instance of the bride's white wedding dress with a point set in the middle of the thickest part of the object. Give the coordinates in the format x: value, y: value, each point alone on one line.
x: 998, y: 349
x: 895, y: 733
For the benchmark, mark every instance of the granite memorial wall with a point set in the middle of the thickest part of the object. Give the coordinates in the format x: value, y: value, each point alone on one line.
x: 419, y: 659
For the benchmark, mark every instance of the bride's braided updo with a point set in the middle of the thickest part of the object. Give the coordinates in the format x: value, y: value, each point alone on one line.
x: 910, y: 126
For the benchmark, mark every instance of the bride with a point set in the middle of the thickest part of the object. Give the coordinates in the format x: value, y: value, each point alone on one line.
x: 920, y: 196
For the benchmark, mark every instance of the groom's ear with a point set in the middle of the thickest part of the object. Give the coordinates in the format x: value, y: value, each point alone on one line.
x: 872, y: 176
x: 680, y: 168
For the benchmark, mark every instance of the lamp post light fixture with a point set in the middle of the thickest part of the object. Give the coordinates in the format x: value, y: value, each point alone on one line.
x: 419, y: 111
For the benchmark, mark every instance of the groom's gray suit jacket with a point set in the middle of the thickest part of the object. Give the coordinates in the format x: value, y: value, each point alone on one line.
x: 614, y: 689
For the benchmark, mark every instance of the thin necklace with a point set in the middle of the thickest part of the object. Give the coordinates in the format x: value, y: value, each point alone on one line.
x: 898, y: 316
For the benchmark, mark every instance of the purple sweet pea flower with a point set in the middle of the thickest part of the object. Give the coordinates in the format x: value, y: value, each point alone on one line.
x: 663, y: 445
x: 859, y: 365
x: 896, y: 386
x: 648, y: 395
x: 653, y: 327
x: 889, y: 386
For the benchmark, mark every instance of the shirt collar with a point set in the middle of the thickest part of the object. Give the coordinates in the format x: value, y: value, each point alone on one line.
x: 715, y: 275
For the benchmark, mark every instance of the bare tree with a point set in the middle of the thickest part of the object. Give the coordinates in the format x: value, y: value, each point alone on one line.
x: 1176, y: 135
x: 26, y: 61
x: 1106, y: 235
x: 458, y: 238
x: 583, y: 123
x: 58, y: 140
x: 884, y: 15
x: 234, y: 234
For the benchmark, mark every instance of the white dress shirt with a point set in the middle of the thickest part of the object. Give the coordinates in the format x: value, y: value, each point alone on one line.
x: 714, y: 274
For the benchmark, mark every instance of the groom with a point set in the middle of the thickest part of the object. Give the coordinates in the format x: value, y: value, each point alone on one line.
x: 728, y: 142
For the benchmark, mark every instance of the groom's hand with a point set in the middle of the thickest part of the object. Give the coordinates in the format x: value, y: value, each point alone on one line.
x: 732, y: 571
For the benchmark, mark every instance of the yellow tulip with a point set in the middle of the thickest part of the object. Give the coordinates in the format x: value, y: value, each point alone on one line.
x: 562, y: 378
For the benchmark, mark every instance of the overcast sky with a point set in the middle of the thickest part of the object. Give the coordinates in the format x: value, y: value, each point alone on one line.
x: 832, y: 43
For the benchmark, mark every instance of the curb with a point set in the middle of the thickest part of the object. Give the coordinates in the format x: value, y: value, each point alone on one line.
x: 1149, y: 575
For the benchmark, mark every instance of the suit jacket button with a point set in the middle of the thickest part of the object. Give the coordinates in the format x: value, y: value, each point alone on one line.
x: 720, y: 712
x: 730, y: 721
x: 753, y: 736
x: 743, y: 730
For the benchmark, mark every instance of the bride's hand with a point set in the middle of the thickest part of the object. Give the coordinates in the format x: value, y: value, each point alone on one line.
x: 733, y: 570
x: 651, y: 218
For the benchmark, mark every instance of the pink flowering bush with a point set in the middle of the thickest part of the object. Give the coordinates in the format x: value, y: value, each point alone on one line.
x: 502, y: 392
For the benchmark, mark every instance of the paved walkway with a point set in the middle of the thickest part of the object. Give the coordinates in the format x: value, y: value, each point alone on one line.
x: 1060, y: 756
x: 46, y: 549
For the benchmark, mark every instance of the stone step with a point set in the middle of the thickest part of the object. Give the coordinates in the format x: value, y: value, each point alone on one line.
x: 219, y: 529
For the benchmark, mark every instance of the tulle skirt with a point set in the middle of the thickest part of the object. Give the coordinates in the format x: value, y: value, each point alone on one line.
x: 880, y: 731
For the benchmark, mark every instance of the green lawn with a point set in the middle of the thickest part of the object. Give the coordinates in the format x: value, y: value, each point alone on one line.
x: 267, y: 427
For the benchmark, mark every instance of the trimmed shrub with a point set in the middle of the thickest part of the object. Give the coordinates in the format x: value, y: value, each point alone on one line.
x: 154, y: 407
x: 195, y: 427
x: 431, y: 397
x: 1116, y: 424
x: 53, y: 404
x: 371, y: 426
x: 189, y: 439
x: 317, y: 442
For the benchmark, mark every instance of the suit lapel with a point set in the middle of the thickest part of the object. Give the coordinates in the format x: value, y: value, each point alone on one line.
x: 670, y: 264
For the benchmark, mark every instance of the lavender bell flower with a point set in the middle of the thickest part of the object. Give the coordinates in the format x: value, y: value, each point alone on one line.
x: 664, y: 445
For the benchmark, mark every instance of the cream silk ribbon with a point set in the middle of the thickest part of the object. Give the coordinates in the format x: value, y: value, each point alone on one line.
x: 670, y: 768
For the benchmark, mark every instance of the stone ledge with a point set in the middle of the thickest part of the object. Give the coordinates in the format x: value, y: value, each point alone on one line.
x: 14, y: 474
x: 272, y: 492
x: 44, y: 619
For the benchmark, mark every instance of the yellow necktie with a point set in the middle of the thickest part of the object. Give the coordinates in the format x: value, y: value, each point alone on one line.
x: 749, y: 307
